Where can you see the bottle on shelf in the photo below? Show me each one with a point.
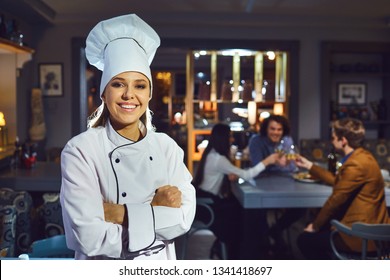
(16, 159)
(16, 35)
(332, 161)
(3, 27)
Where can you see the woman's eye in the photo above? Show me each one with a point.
(140, 86)
(117, 84)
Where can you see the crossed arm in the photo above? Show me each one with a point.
(168, 196)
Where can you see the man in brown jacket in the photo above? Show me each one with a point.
(358, 192)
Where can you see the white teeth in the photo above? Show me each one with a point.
(128, 106)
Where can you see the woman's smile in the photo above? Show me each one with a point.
(128, 106)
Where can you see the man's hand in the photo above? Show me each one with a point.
(271, 159)
(303, 162)
(281, 160)
(169, 196)
(114, 213)
(309, 228)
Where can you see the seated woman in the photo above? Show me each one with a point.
(212, 180)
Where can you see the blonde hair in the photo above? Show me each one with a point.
(101, 115)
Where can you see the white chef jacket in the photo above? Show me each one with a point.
(217, 166)
(100, 165)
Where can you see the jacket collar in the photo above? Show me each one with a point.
(119, 140)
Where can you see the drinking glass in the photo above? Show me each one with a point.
(280, 147)
(292, 152)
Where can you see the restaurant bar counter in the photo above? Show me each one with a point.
(43, 177)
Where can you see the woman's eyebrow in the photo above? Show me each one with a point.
(117, 78)
(140, 80)
(123, 79)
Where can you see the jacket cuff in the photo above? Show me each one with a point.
(141, 226)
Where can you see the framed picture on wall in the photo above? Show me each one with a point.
(352, 93)
(51, 79)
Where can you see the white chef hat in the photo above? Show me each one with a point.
(120, 44)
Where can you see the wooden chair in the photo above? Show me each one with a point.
(379, 233)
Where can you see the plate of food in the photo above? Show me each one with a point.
(305, 177)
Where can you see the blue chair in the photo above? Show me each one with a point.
(378, 233)
(52, 247)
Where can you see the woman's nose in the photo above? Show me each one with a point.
(128, 94)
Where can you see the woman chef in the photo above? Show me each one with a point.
(126, 193)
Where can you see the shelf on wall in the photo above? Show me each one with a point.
(264, 103)
(7, 46)
(23, 53)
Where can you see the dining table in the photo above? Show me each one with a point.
(274, 191)
(284, 191)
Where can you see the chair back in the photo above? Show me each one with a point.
(203, 221)
(378, 233)
(203, 205)
(53, 247)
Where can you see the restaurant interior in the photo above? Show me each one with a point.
(232, 61)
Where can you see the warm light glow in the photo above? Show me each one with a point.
(240, 52)
(271, 55)
(2, 119)
(166, 76)
(210, 106)
(278, 109)
(202, 146)
(264, 115)
(252, 112)
(166, 99)
(241, 112)
(177, 117)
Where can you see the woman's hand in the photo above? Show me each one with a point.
(114, 213)
(300, 161)
(168, 196)
(232, 177)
